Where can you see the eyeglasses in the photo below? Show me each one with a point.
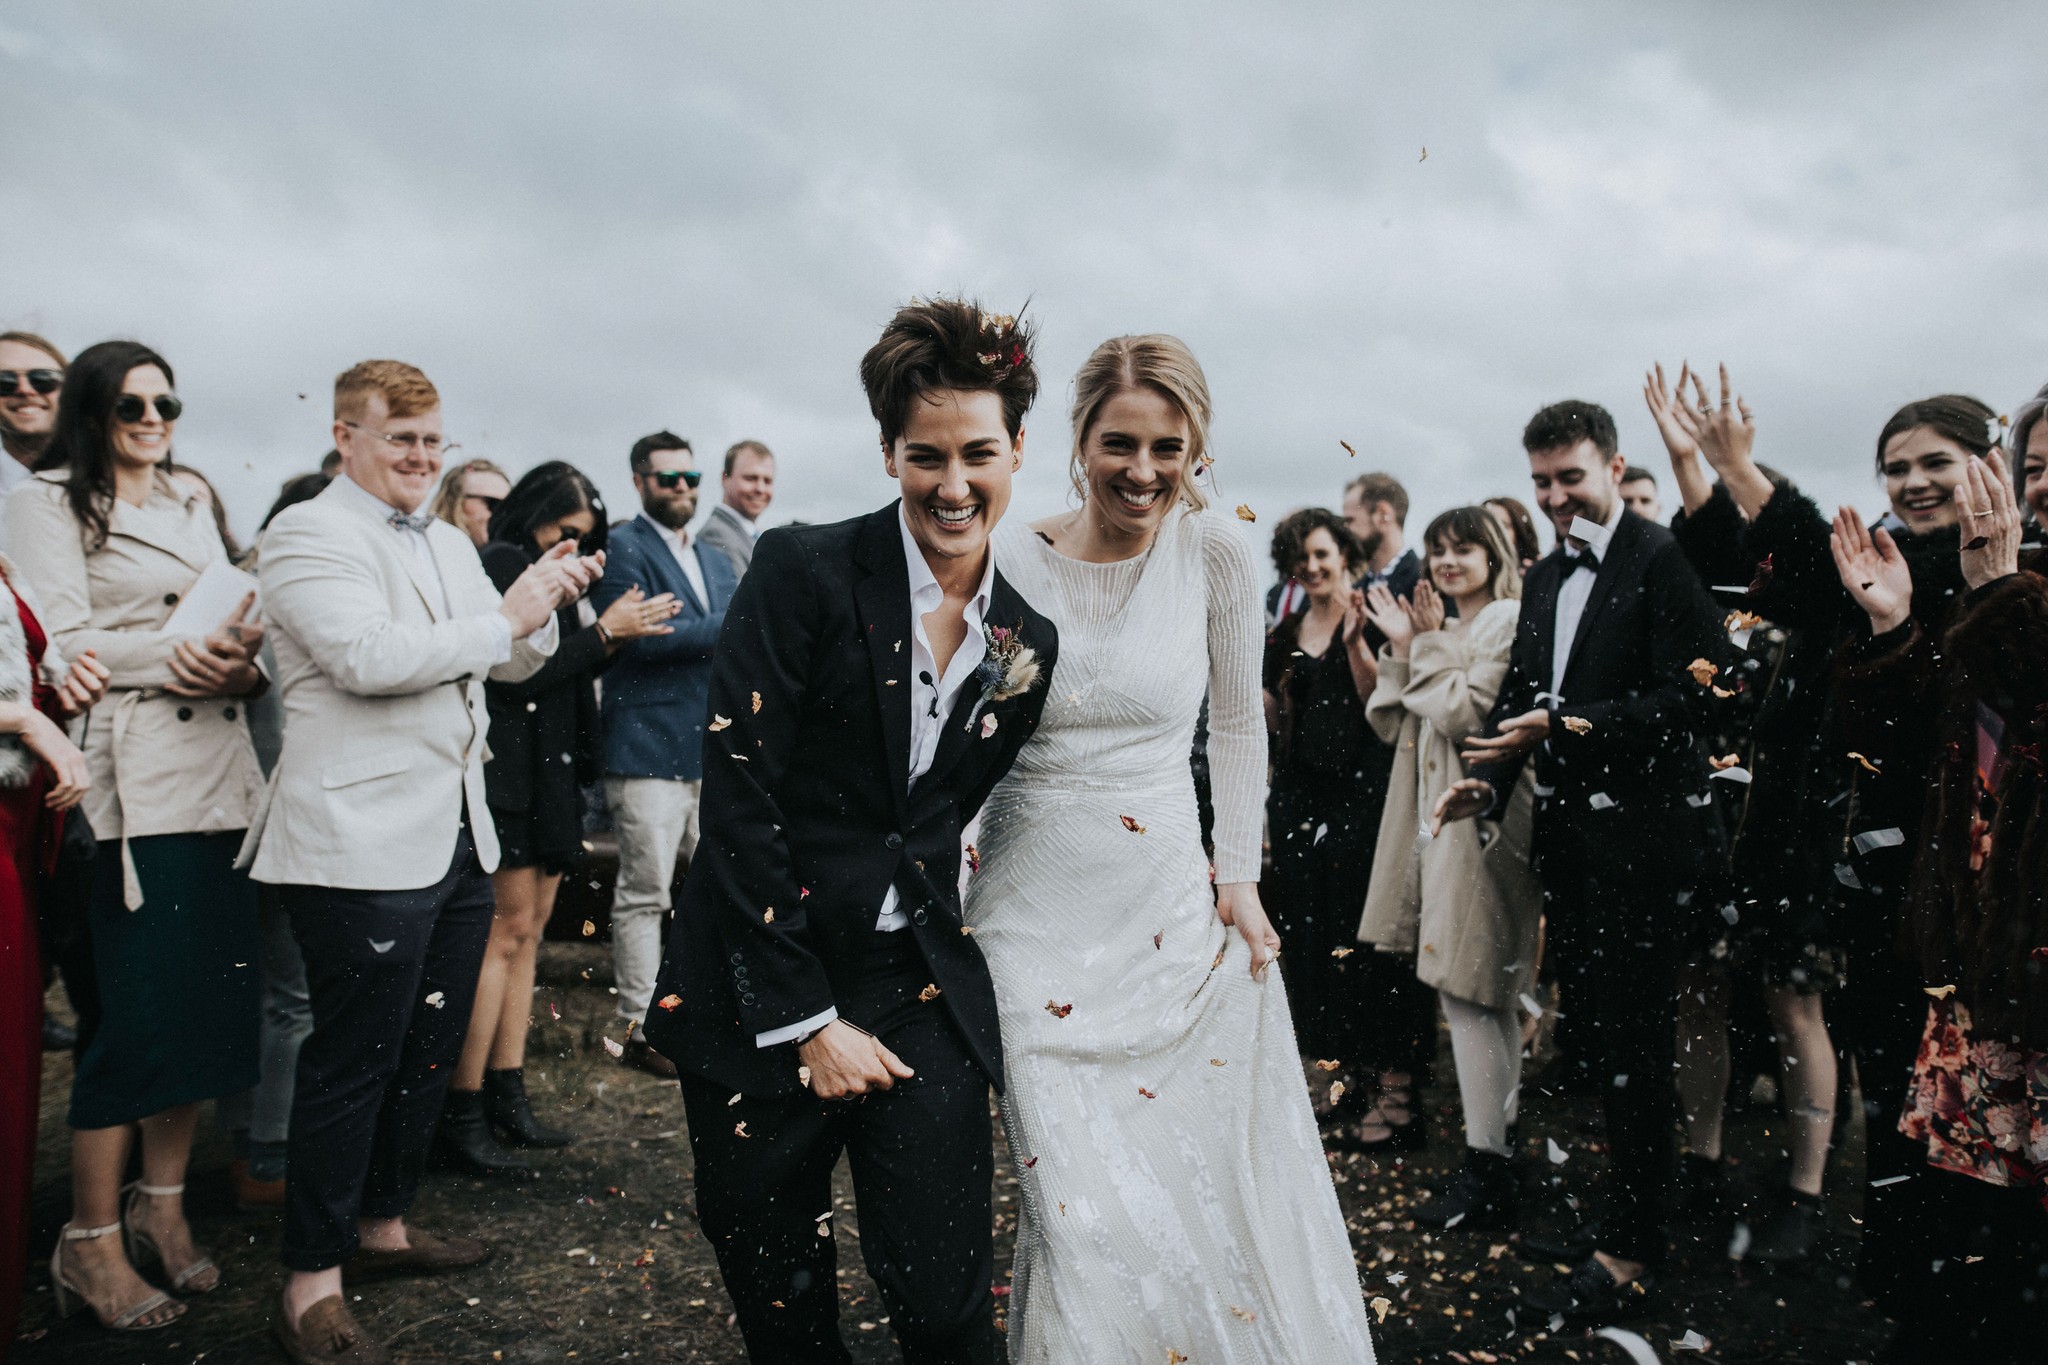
(669, 478)
(42, 381)
(130, 407)
(407, 441)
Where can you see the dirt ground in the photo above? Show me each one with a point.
(600, 1258)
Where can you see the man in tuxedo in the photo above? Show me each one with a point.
(1600, 695)
(654, 716)
(374, 831)
(745, 489)
(820, 992)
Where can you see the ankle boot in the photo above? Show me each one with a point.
(463, 1140)
(1791, 1231)
(511, 1113)
(1484, 1196)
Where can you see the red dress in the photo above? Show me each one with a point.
(27, 835)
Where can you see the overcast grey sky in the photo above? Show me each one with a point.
(590, 221)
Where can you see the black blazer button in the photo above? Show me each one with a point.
(894, 840)
(737, 958)
(229, 713)
(170, 599)
(918, 916)
(747, 998)
(184, 713)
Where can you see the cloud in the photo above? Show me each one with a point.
(589, 224)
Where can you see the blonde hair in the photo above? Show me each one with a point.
(1153, 361)
(448, 499)
(407, 390)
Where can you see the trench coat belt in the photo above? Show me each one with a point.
(124, 712)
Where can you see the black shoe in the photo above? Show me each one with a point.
(641, 1056)
(1484, 1196)
(1703, 1189)
(58, 1036)
(511, 1113)
(1567, 1245)
(1590, 1296)
(1789, 1234)
(463, 1140)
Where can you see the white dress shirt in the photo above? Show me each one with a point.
(745, 522)
(415, 542)
(932, 698)
(1573, 593)
(678, 543)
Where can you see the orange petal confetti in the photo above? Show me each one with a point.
(1724, 762)
(966, 929)
(1245, 513)
(973, 858)
(740, 1129)
(1578, 725)
(1244, 1313)
(1724, 693)
(928, 994)
(757, 703)
(1173, 1357)
(1868, 766)
(1132, 825)
(589, 928)
(1058, 1011)
(1939, 992)
(768, 915)
(803, 1075)
(1146, 1093)
(668, 1002)
(1347, 448)
(1702, 671)
(1337, 1092)
(1330, 1065)
(1741, 620)
(1341, 953)
(1380, 1308)
(719, 723)
(1218, 1061)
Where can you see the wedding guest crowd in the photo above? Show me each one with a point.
(1767, 752)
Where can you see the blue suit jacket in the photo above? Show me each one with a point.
(655, 692)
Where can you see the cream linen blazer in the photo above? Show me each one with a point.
(160, 763)
(384, 719)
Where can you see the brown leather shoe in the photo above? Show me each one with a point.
(255, 1196)
(431, 1253)
(327, 1334)
(642, 1057)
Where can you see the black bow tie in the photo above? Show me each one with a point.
(1573, 563)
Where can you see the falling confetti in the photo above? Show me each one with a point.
(615, 1048)
(1058, 1011)
(1341, 953)
(386, 946)
(973, 858)
(1578, 725)
(988, 726)
(1724, 762)
(768, 915)
(928, 994)
(1328, 1065)
(1132, 825)
(1243, 1313)
(1868, 766)
(1381, 1306)
(719, 723)
(589, 928)
(437, 999)
(1146, 1093)
(740, 1129)
(1691, 1341)
(668, 1002)
(1702, 671)
(1557, 1154)
(734, 1100)
(1939, 992)
(1336, 1093)
(1739, 621)
(1347, 448)
(757, 703)
(1424, 157)
(1218, 1061)
(1245, 513)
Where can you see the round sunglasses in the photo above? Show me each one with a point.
(130, 407)
(45, 382)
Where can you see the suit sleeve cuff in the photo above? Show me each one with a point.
(792, 1032)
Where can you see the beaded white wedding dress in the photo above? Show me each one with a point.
(1176, 1201)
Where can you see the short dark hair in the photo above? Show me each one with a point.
(1563, 425)
(1378, 487)
(548, 492)
(1956, 416)
(1635, 473)
(1290, 539)
(934, 344)
(739, 448)
(647, 445)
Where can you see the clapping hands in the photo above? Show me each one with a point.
(1873, 571)
(1990, 519)
(1400, 620)
(555, 579)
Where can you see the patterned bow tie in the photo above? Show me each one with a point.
(410, 523)
(1573, 563)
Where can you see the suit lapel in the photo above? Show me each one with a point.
(883, 600)
(1539, 611)
(135, 523)
(963, 728)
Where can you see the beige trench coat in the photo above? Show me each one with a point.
(1465, 902)
(160, 763)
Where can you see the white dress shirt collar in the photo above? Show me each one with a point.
(745, 522)
(678, 543)
(1575, 592)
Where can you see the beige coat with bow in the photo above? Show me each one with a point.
(1465, 902)
(160, 763)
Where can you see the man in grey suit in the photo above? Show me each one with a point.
(746, 489)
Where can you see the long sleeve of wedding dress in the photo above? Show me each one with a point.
(1237, 720)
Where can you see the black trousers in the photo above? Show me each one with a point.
(922, 1173)
(1617, 949)
(391, 975)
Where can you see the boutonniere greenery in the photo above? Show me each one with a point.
(1009, 667)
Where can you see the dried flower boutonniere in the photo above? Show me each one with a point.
(1009, 668)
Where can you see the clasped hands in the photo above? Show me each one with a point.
(221, 663)
(1469, 796)
(555, 579)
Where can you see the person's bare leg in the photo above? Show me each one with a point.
(166, 1155)
(1809, 1061)
(98, 1266)
(512, 888)
(1703, 1063)
(508, 1051)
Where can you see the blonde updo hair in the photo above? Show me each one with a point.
(1155, 361)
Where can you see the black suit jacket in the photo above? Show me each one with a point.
(807, 811)
(1627, 798)
(548, 719)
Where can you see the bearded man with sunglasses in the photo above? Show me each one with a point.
(31, 374)
(655, 710)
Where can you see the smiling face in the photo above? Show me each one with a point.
(751, 486)
(1321, 569)
(1576, 481)
(669, 500)
(401, 473)
(1134, 458)
(1922, 470)
(954, 460)
(1458, 568)
(1640, 496)
(24, 412)
(147, 441)
(2034, 470)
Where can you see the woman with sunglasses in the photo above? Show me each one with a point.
(546, 745)
(110, 544)
(469, 497)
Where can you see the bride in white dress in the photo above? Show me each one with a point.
(1176, 1201)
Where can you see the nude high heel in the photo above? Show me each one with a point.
(142, 1247)
(70, 1299)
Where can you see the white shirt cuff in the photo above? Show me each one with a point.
(783, 1035)
(546, 639)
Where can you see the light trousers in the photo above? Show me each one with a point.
(656, 822)
(1486, 1045)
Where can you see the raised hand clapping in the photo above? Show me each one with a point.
(1990, 518)
(1393, 616)
(1873, 571)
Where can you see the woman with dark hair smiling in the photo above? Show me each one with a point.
(545, 745)
(111, 544)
